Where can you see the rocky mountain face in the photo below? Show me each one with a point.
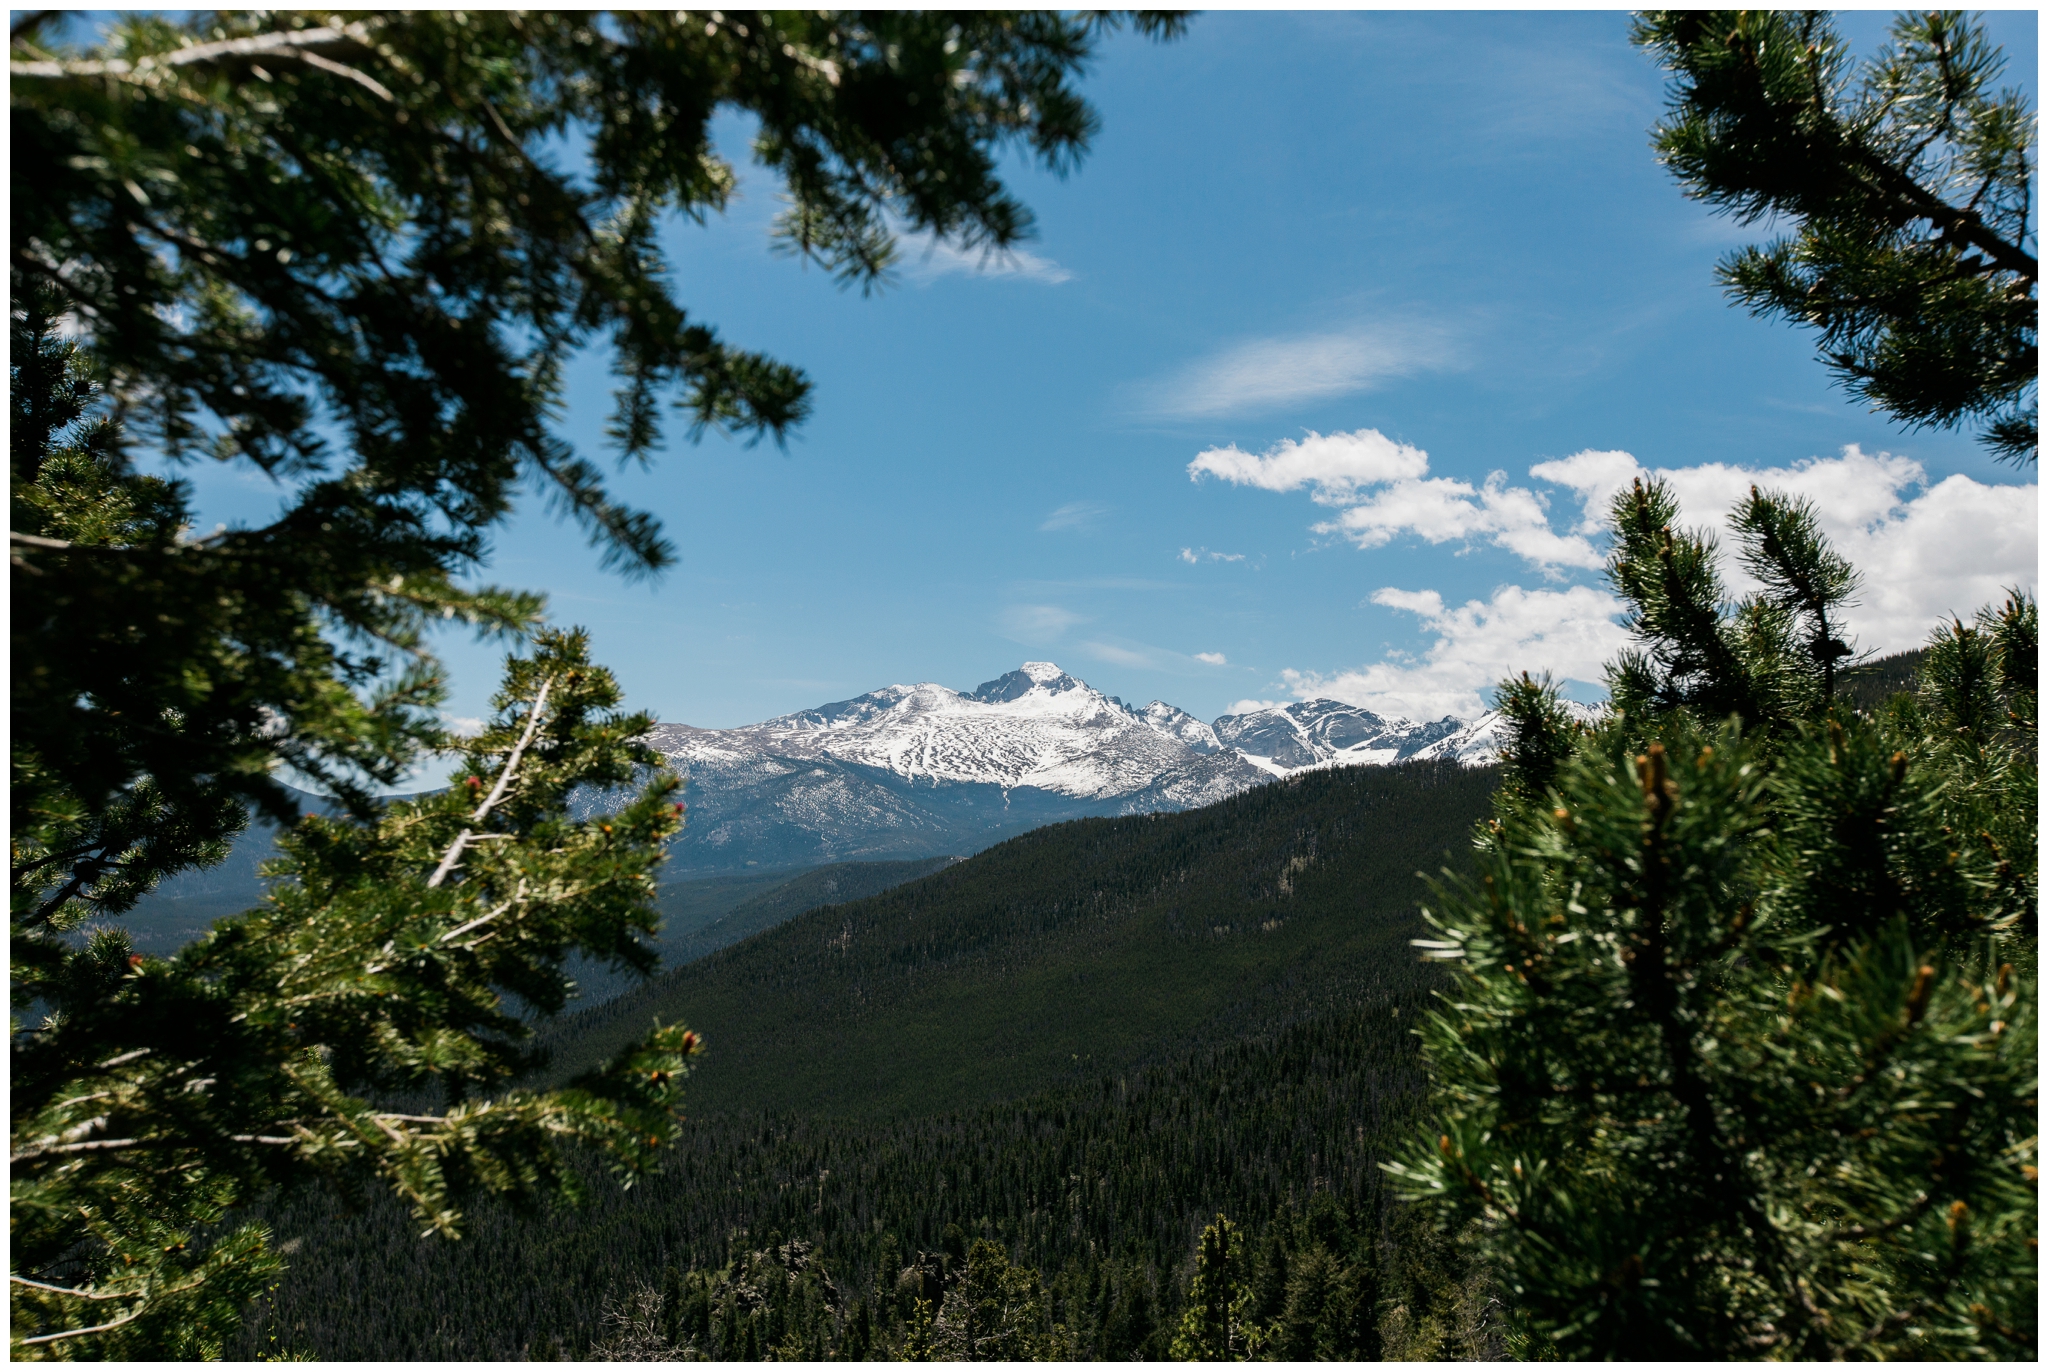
(911, 771)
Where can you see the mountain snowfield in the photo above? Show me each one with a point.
(923, 769)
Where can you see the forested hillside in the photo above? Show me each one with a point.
(705, 914)
(834, 884)
(1102, 1186)
(1868, 685)
(1075, 947)
(1083, 1045)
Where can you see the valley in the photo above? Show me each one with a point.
(1083, 1044)
(1075, 947)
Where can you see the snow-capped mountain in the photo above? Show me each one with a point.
(1035, 727)
(923, 769)
(912, 770)
(1326, 733)
(1478, 743)
(1177, 723)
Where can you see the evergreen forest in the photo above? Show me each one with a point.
(1176, 1017)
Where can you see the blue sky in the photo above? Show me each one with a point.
(1438, 243)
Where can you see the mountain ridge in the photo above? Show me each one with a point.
(918, 769)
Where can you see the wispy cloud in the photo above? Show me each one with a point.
(1267, 372)
(1079, 514)
(1037, 625)
(1197, 555)
(1131, 652)
(927, 259)
(1119, 655)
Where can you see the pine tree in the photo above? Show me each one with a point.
(1215, 1326)
(361, 1029)
(1908, 183)
(995, 1312)
(1740, 1059)
(340, 251)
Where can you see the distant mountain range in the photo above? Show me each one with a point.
(918, 770)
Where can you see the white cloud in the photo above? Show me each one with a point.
(1944, 551)
(1037, 624)
(462, 726)
(1384, 490)
(1197, 555)
(1926, 552)
(1850, 492)
(927, 259)
(1250, 705)
(1443, 509)
(1335, 466)
(1213, 659)
(1570, 633)
(1079, 514)
(1957, 547)
(1276, 371)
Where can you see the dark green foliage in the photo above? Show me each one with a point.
(1103, 1186)
(157, 680)
(1074, 947)
(1804, 579)
(1097, 1172)
(1741, 1054)
(1908, 183)
(699, 917)
(1693, 656)
(1768, 660)
(1869, 686)
(834, 884)
(395, 960)
(1977, 723)
(1541, 734)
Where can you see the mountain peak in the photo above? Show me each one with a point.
(1027, 678)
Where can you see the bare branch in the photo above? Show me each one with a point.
(132, 1315)
(97, 1145)
(69, 1291)
(505, 775)
(482, 920)
(302, 45)
(34, 541)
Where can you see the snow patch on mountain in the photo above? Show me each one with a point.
(1175, 722)
(912, 770)
(1036, 727)
(1479, 743)
(1304, 734)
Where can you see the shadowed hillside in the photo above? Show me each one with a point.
(1077, 946)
